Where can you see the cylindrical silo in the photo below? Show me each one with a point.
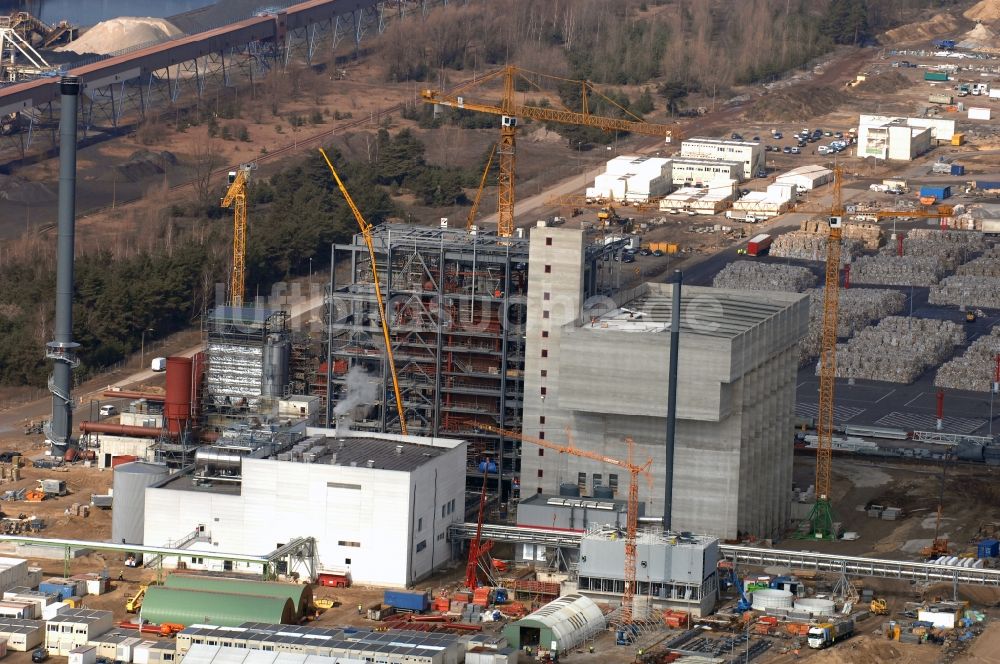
(128, 512)
(769, 598)
(275, 367)
(177, 407)
(816, 607)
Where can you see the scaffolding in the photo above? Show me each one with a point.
(456, 306)
(247, 364)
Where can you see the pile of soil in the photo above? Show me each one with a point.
(863, 648)
(939, 24)
(144, 163)
(979, 37)
(800, 103)
(120, 33)
(884, 83)
(985, 10)
(16, 189)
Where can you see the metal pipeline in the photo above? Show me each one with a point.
(121, 430)
(123, 394)
(62, 350)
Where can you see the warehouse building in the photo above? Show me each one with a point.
(748, 153)
(942, 130)
(671, 571)
(205, 654)
(893, 139)
(186, 607)
(806, 178)
(567, 512)
(558, 627)
(299, 594)
(704, 200)
(392, 646)
(735, 405)
(379, 505)
(22, 635)
(688, 171)
(633, 179)
(769, 203)
(72, 628)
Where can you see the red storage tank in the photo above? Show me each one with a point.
(123, 458)
(177, 407)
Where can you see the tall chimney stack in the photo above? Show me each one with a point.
(63, 349)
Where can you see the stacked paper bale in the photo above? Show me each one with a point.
(968, 291)
(868, 234)
(857, 309)
(928, 255)
(974, 369)
(898, 349)
(987, 265)
(751, 276)
(812, 247)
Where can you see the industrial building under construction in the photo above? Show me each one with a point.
(455, 301)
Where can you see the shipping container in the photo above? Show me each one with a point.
(62, 590)
(987, 185)
(939, 192)
(940, 99)
(759, 245)
(957, 169)
(958, 138)
(935, 76)
(976, 113)
(988, 548)
(333, 580)
(408, 601)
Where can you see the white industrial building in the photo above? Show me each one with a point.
(806, 178)
(379, 505)
(206, 654)
(894, 140)
(735, 408)
(776, 199)
(633, 179)
(75, 627)
(942, 130)
(704, 200)
(749, 153)
(22, 635)
(687, 171)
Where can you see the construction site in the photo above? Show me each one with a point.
(723, 394)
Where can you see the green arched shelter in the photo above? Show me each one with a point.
(211, 607)
(299, 594)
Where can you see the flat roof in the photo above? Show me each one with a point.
(719, 141)
(716, 312)
(380, 453)
(185, 481)
(396, 641)
(708, 194)
(813, 170)
(654, 537)
(81, 616)
(701, 161)
(552, 500)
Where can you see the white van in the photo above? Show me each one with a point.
(109, 410)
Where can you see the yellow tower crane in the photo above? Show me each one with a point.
(509, 111)
(366, 232)
(633, 499)
(236, 198)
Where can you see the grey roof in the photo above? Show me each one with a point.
(143, 468)
(395, 641)
(386, 454)
(81, 616)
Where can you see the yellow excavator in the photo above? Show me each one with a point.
(134, 602)
(879, 607)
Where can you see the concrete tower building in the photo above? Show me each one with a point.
(599, 368)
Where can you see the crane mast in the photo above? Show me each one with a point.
(236, 198)
(366, 232)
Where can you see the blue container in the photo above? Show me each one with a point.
(957, 169)
(988, 548)
(61, 590)
(400, 599)
(487, 466)
(940, 192)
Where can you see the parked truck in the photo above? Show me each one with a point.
(407, 601)
(759, 245)
(826, 634)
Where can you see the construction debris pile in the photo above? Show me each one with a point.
(898, 349)
(974, 369)
(812, 247)
(752, 276)
(858, 308)
(972, 291)
(927, 256)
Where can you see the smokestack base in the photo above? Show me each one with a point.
(69, 85)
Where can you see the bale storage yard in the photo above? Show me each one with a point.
(869, 235)
(968, 291)
(751, 276)
(858, 308)
(928, 255)
(974, 369)
(898, 349)
(812, 247)
(987, 265)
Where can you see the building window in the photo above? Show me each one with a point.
(546, 296)
(548, 242)
(541, 419)
(613, 483)
(347, 561)
(539, 490)
(545, 373)
(420, 524)
(440, 536)
(541, 434)
(443, 508)
(541, 451)
(597, 480)
(548, 269)
(421, 545)
(350, 544)
(545, 352)
(544, 391)
(451, 506)
(545, 334)
(581, 481)
(540, 473)
(545, 313)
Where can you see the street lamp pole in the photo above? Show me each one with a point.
(142, 347)
(310, 269)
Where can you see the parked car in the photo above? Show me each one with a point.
(796, 150)
(39, 655)
(762, 173)
(828, 133)
(786, 150)
(628, 258)
(756, 139)
(658, 252)
(777, 135)
(644, 252)
(109, 410)
(823, 150)
(736, 137)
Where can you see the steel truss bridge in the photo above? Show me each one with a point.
(154, 78)
(851, 566)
